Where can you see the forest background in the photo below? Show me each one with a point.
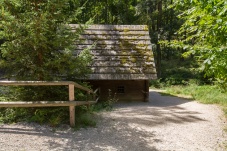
(189, 41)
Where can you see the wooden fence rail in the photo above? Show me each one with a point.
(71, 103)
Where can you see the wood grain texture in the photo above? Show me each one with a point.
(71, 103)
(44, 103)
(44, 83)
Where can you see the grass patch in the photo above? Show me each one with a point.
(85, 120)
(207, 94)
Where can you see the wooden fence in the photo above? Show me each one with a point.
(71, 103)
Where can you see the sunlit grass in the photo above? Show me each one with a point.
(208, 94)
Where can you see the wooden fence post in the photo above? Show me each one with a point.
(88, 95)
(71, 108)
(71, 103)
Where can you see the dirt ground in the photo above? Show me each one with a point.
(165, 123)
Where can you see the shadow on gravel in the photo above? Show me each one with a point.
(160, 110)
(129, 127)
(113, 136)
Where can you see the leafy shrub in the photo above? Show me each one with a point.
(108, 104)
(105, 105)
(85, 117)
(180, 72)
(50, 115)
(155, 83)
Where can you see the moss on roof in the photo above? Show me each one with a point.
(122, 52)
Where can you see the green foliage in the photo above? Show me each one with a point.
(85, 117)
(180, 72)
(51, 116)
(38, 93)
(38, 42)
(11, 115)
(108, 11)
(155, 84)
(204, 34)
(176, 74)
(105, 105)
(111, 100)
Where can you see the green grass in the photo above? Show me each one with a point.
(208, 94)
(205, 94)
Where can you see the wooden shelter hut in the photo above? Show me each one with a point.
(123, 60)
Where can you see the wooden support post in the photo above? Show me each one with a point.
(71, 108)
(146, 89)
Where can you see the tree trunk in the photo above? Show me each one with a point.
(159, 24)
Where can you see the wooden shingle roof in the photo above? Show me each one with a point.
(121, 52)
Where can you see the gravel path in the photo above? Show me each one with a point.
(164, 124)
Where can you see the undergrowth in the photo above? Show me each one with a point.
(209, 94)
(184, 77)
(53, 116)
